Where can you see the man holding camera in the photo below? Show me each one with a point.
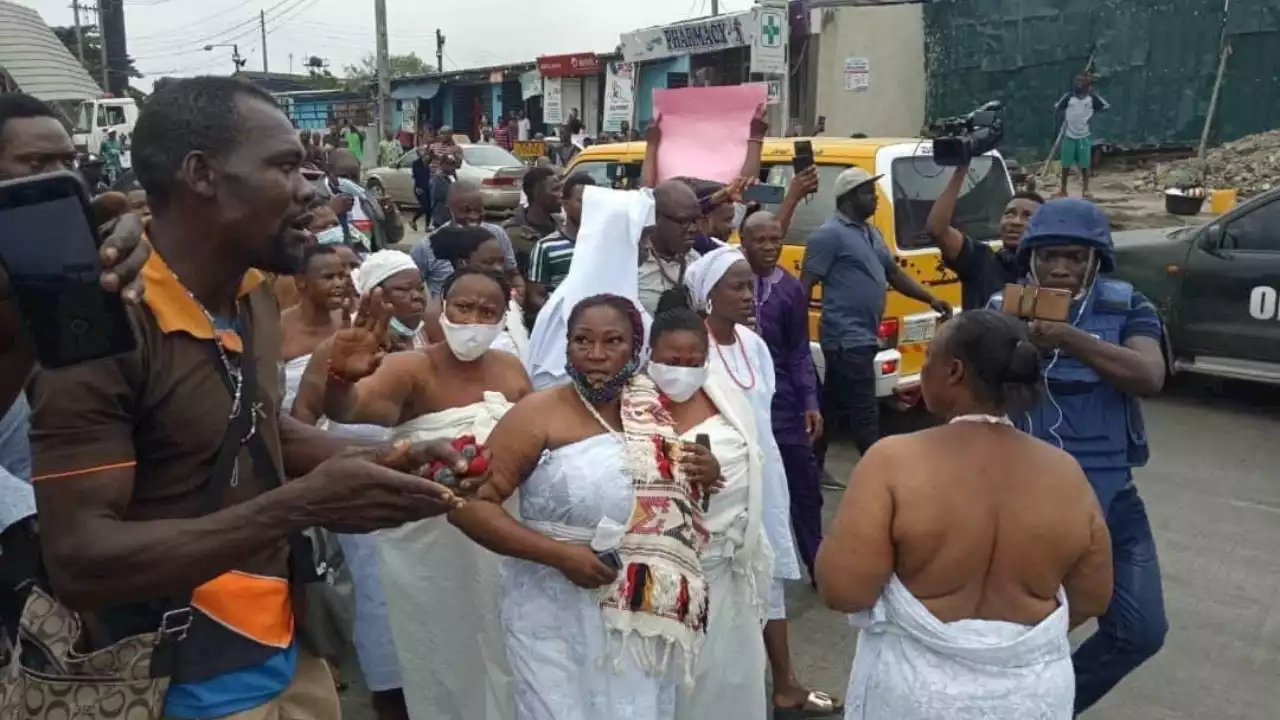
(1102, 353)
(982, 271)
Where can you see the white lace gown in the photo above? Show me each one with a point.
(442, 596)
(749, 365)
(730, 670)
(375, 649)
(555, 631)
(912, 666)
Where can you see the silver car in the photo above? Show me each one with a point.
(498, 172)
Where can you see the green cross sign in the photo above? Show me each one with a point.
(771, 29)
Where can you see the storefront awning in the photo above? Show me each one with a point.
(419, 90)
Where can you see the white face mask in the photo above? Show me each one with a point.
(469, 342)
(679, 383)
(330, 236)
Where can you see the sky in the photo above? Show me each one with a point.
(167, 37)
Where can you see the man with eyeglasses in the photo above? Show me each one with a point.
(667, 249)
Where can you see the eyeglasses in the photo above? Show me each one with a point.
(682, 222)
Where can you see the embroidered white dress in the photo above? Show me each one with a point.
(442, 597)
(375, 649)
(730, 669)
(912, 666)
(555, 630)
(741, 362)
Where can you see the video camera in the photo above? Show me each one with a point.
(958, 140)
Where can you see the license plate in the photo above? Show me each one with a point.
(919, 328)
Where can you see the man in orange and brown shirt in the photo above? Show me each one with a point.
(159, 473)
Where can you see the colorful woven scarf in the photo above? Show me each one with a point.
(659, 601)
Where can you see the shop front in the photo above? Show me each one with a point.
(706, 51)
(572, 82)
(733, 49)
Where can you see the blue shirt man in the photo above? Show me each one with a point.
(849, 258)
(1097, 364)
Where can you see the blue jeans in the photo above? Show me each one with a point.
(1134, 627)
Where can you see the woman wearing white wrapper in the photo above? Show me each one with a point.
(440, 587)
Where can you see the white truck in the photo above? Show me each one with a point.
(95, 118)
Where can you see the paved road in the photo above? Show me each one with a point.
(1213, 493)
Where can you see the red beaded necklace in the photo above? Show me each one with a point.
(751, 383)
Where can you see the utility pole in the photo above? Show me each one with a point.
(75, 9)
(439, 51)
(102, 44)
(262, 23)
(715, 7)
(384, 67)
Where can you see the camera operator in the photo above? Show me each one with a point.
(982, 271)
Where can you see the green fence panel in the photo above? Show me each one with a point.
(1155, 61)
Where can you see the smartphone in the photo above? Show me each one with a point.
(704, 440)
(610, 558)
(804, 156)
(1032, 302)
(344, 219)
(764, 194)
(49, 248)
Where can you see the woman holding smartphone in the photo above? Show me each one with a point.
(738, 560)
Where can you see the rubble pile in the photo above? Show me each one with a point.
(1250, 164)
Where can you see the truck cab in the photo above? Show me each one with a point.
(95, 118)
(1218, 290)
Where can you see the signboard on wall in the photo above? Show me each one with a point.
(552, 101)
(857, 74)
(409, 115)
(769, 51)
(691, 38)
(619, 100)
(575, 65)
(530, 84)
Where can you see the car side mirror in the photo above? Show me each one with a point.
(1211, 240)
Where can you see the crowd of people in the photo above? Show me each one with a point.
(572, 463)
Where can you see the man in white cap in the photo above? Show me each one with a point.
(849, 258)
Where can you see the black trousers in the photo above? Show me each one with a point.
(424, 206)
(850, 409)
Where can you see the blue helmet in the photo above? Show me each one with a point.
(1068, 221)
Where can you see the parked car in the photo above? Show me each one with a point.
(498, 172)
(1218, 288)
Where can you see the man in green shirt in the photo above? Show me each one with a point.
(529, 224)
(354, 139)
(389, 150)
(551, 256)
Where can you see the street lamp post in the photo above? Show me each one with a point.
(238, 61)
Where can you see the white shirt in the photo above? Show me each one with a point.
(522, 129)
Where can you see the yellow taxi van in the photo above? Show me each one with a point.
(911, 181)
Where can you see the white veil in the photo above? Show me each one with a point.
(605, 260)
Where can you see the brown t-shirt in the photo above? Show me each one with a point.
(163, 410)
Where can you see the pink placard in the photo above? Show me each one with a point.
(705, 130)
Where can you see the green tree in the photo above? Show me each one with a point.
(92, 51)
(365, 72)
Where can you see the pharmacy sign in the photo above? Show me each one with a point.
(769, 51)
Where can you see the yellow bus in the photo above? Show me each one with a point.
(911, 182)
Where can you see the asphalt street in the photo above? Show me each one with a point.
(1213, 493)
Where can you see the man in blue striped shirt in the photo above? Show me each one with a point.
(466, 208)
